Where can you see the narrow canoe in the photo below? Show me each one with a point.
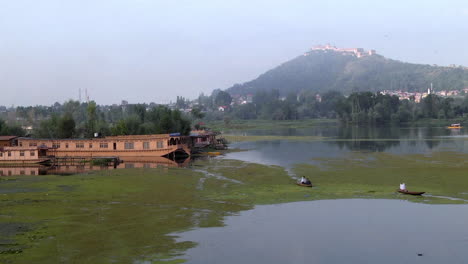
(411, 193)
(303, 184)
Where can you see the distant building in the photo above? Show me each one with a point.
(318, 98)
(358, 52)
(222, 108)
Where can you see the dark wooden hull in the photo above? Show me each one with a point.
(410, 193)
(303, 184)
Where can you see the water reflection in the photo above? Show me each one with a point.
(371, 146)
(340, 140)
(375, 231)
(353, 132)
(147, 163)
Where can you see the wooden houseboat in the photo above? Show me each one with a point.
(124, 147)
(23, 155)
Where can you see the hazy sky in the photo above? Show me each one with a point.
(153, 50)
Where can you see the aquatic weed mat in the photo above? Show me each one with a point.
(442, 175)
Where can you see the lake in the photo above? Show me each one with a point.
(337, 231)
(244, 206)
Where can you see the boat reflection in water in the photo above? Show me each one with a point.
(69, 169)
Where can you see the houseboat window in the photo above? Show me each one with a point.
(55, 145)
(79, 145)
(20, 144)
(21, 153)
(103, 145)
(33, 144)
(159, 144)
(66, 145)
(33, 172)
(1, 154)
(90, 145)
(129, 145)
(1, 173)
(146, 145)
(32, 154)
(129, 165)
(115, 146)
(9, 154)
(22, 172)
(9, 173)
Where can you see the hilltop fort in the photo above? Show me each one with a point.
(358, 52)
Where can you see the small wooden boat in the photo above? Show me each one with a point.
(213, 153)
(411, 193)
(304, 184)
(454, 126)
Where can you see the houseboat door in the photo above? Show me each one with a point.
(115, 146)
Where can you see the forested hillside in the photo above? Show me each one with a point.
(321, 71)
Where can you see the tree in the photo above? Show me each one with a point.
(66, 127)
(223, 99)
(197, 113)
(91, 119)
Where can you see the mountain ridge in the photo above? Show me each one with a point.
(352, 70)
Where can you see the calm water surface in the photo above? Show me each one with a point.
(337, 231)
(340, 141)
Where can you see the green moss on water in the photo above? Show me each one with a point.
(132, 215)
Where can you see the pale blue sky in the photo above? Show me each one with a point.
(152, 50)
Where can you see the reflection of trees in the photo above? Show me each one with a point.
(366, 145)
(372, 132)
(370, 138)
(430, 134)
(432, 143)
(375, 138)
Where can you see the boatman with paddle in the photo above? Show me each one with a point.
(304, 180)
(403, 186)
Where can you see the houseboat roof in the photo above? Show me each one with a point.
(3, 138)
(124, 137)
(22, 148)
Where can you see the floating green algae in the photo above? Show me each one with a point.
(131, 215)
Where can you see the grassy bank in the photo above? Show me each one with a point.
(128, 215)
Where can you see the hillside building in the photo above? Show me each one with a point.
(358, 52)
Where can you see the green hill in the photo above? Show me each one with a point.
(322, 71)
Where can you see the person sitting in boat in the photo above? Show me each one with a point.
(304, 180)
(403, 187)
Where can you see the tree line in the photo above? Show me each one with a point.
(73, 119)
(358, 107)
